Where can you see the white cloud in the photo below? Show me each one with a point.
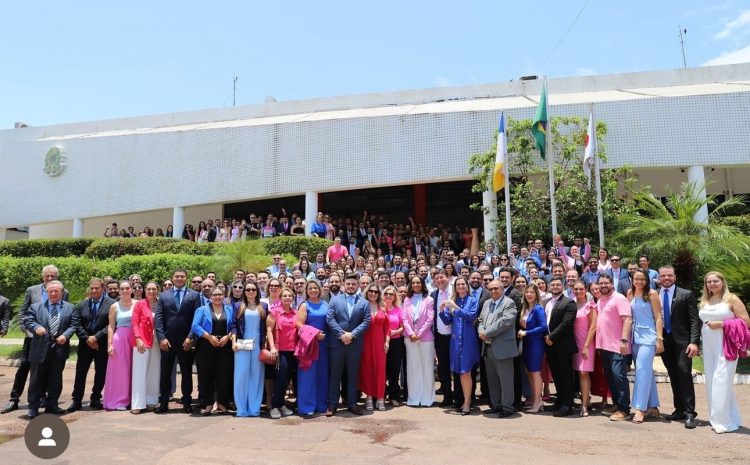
(738, 56)
(734, 25)
(583, 71)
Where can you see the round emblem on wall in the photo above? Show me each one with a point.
(54, 161)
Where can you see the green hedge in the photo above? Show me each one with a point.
(292, 245)
(740, 222)
(103, 249)
(45, 247)
(16, 274)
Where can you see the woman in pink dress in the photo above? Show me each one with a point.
(584, 328)
(120, 349)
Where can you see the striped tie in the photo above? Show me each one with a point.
(54, 320)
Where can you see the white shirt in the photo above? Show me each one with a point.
(442, 328)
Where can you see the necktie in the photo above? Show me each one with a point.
(349, 305)
(177, 298)
(665, 304)
(54, 320)
(492, 307)
(94, 309)
(615, 278)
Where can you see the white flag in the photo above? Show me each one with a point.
(590, 151)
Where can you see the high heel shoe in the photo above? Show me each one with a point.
(652, 412)
(368, 404)
(584, 411)
(465, 412)
(536, 409)
(638, 417)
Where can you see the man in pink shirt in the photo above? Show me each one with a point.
(613, 326)
(336, 251)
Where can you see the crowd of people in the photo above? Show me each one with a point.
(342, 326)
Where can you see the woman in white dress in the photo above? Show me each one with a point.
(718, 305)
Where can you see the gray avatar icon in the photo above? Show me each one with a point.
(47, 436)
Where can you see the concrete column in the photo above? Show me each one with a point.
(178, 221)
(311, 210)
(697, 177)
(77, 227)
(2, 234)
(489, 202)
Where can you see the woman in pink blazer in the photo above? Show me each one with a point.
(418, 314)
(146, 355)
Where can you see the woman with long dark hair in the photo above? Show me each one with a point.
(248, 333)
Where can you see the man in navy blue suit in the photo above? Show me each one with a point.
(348, 318)
(173, 319)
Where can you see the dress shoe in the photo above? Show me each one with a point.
(446, 404)
(609, 411)
(690, 421)
(675, 416)
(187, 408)
(505, 414)
(618, 416)
(12, 405)
(54, 410)
(355, 409)
(330, 412)
(74, 407)
(32, 414)
(563, 411)
(492, 410)
(96, 405)
(161, 409)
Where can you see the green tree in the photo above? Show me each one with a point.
(669, 233)
(529, 186)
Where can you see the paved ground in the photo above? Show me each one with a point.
(401, 435)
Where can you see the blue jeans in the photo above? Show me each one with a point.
(616, 370)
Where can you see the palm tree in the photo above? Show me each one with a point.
(669, 233)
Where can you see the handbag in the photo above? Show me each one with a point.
(266, 357)
(245, 344)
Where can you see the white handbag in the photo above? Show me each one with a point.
(246, 344)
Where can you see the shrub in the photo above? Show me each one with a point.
(740, 222)
(292, 245)
(45, 247)
(103, 249)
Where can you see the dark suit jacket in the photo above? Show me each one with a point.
(4, 314)
(282, 229)
(517, 297)
(561, 326)
(173, 323)
(484, 296)
(37, 316)
(102, 320)
(686, 326)
(339, 322)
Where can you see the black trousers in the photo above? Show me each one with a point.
(46, 378)
(561, 365)
(87, 355)
(22, 373)
(215, 366)
(680, 369)
(185, 359)
(395, 359)
(443, 352)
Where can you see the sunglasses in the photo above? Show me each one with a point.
(138, 288)
(373, 291)
(389, 294)
(197, 282)
(168, 285)
(237, 287)
(251, 289)
(217, 295)
(274, 285)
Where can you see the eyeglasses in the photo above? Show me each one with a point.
(391, 294)
(168, 285)
(614, 259)
(237, 287)
(492, 289)
(251, 289)
(217, 295)
(137, 288)
(197, 282)
(274, 285)
(373, 291)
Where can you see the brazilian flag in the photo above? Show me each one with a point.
(540, 125)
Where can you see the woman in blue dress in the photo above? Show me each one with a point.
(462, 312)
(533, 329)
(312, 383)
(647, 340)
(249, 371)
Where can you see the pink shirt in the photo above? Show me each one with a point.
(609, 321)
(395, 321)
(285, 335)
(336, 253)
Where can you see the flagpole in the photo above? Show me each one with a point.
(550, 164)
(506, 168)
(598, 181)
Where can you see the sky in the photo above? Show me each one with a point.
(80, 61)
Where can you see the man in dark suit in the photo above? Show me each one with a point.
(93, 315)
(173, 319)
(52, 323)
(561, 345)
(682, 331)
(4, 316)
(442, 334)
(620, 276)
(506, 279)
(348, 318)
(34, 294)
